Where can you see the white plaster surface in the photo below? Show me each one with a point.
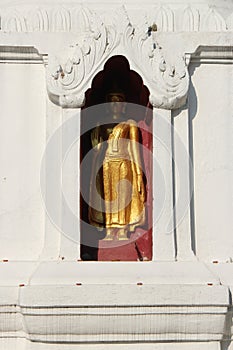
(8, 344)
(120, 313)
(212, 123)
(49, 303)
(224, 272)
(122, 272)
(22, 143)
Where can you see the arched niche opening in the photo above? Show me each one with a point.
(115, 79)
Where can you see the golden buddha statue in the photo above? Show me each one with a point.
(119, 180)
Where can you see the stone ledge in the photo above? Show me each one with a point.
(117, 313)
(14, 273)
(137, 307)
(23, 344)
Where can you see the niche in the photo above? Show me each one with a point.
(116, 190)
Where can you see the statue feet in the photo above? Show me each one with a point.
(117, 234)
(109, 235)
(122, 235)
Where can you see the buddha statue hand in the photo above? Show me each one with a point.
(140, 186)
(96, 139)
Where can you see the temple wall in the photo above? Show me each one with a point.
(23, 117)
(49, 298)
(212, 126)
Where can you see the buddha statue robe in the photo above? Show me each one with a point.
(119, 181)
(124, 192)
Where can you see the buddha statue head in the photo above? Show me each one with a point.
(116, 103)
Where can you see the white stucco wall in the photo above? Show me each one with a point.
(211, 116)
(22, 140)
(46, 304)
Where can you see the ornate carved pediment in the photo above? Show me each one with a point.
(67, 77)
(164, 72)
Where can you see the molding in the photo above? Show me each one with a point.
(164, 70)
(163, 16)
(213, 54)
(117, 313)
(213, 21)
(66, 16)
(69, 72)
(99, 36)
(190, 19)
(19, 54)
(22, 344)
(104, 302)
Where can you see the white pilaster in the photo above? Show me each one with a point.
(183, 186)
(70, 235)
(163, 218)
(50, 179)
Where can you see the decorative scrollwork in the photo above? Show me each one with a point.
(164, 18)
(38, 20)
(13, 21)
(61, 20)
(72, 17)
(65, 80)
(190, 19)
(213, 21)
(165, 72)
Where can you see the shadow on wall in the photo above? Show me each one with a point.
(192, 110)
